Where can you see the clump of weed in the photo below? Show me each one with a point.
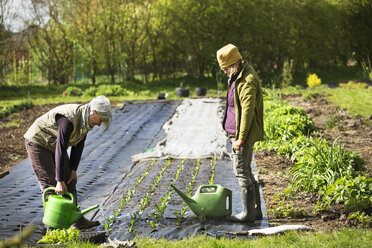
(282, 210)
(333, 121)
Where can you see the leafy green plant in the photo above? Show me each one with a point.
(322, 164)
(282, 210)
(60, 236)
(354, 192)
(320, 207)
(7, 110)
(112, 90)
(285, 122)
(91, 91)
(288, 149)
(313, 80)
(74, 91)
(320, 167)
(364, 219)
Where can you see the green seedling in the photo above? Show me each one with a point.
(180, 214)
(127, 197)
(148, 196)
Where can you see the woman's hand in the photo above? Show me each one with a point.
(72, 177)
(237, 144)
(61, 187)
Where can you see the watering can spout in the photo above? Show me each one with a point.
(89, 209)
(193, 205)
(76, 215)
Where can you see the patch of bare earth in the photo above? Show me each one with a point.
(12, 129)
(352, 131)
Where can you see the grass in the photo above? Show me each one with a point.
(41, 94)
(347, 237)
(357, 101)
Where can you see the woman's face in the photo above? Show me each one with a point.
(95, 119)
(227, 70)
(230, 70)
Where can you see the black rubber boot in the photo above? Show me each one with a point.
(257, 201)
(83, 223)
(248, 214)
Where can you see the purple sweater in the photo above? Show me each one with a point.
(230, 122)
(65, 129)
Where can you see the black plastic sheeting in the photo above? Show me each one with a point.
(191, 225)
(105, 162)
(106, 173)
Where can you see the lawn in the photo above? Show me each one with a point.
(348, 237)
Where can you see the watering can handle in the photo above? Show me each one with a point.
(73, 200)
(207, 187)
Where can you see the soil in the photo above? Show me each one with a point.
(355, 132)
(12, 129)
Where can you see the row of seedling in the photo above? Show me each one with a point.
(147, 198)
(180, 214)
(110, 221)
(160, 208)
(213, 166)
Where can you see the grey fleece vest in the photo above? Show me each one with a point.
(44, 130)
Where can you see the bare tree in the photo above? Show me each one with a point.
(52, 42)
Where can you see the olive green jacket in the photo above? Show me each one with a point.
(44, 130)
(248, 102)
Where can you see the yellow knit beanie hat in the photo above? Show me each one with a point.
(228, 55)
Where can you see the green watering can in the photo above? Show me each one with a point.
(60, 212)
(209, 201)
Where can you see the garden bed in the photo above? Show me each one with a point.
(355, 134)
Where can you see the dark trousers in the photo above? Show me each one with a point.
(43, 164)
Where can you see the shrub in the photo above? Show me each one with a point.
(91, 91)
(111, 90)
(285, 122)
(74, 91)
(15, 108)
(313, 80)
